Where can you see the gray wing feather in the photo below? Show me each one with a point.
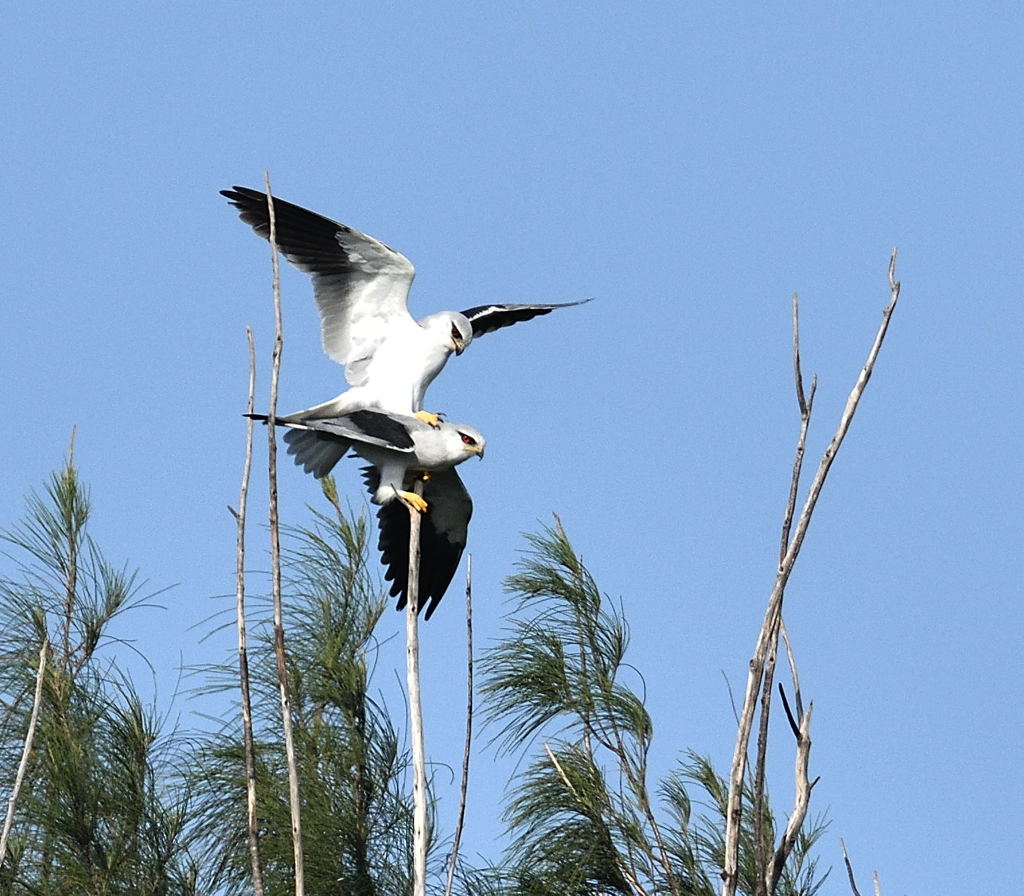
(316, 452)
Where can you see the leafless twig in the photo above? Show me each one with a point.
(26, 750)
(243, 656)
(797, 693)
(275, 560)
(774, 610)
(464, 784)
(794, 726)
(849, 868)
(412, 660)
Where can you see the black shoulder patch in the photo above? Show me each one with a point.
(382, 426)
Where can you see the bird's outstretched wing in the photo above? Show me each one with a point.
(361, 285)
(488, 318)
(443, 532)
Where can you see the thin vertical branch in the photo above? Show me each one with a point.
(805, 406)
(243, 656)
(464, 783)
(849, 868)
(71, 581)
(797, 693)
(774, 610)
(761, 847)
(803, 799)
(275, 558)
(26, 750)
(412, 659)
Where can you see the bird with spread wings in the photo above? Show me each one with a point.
(400, 449)
(361, 288)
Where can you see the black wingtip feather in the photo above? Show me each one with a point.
(488, 318)
(307, 239)
(393, 544)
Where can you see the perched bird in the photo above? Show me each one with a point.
(400, 448)
(361, 288)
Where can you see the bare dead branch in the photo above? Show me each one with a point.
(798, 375)
(844, 425)
(561, 772)
(806, 407)
(761, 845)
(794, 727)
(757, 663)
(800, 803)
(849, 868)
(412, 659)
(798, 695)
(26, 749)
(464, 784)
(243, 655)
(275, 558)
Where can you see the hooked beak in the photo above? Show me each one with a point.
(459, 346)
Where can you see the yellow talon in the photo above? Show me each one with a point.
(428, 418)
(411, 499)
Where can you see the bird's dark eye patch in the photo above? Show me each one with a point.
(467, 440)
(456, 335)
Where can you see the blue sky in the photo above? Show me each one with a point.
(689, 168)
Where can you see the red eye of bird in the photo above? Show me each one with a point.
(456, 335)
(467, 440)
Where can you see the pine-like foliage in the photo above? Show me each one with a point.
(97, 813)
(107, 807)
(581, 818)
(356, 816)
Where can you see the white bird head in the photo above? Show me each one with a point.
(453, 330)
(473, 443)
(442, 447)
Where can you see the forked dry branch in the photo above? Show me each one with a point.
(762, 663)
